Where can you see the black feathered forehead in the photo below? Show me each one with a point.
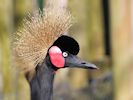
(67, 43)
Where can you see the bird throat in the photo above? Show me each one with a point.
(42, 83)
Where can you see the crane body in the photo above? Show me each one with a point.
(40, 49)
(42, 83)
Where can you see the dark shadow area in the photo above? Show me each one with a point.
(106, 18)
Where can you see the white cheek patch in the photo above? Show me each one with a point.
(56, 57)
(54, 49)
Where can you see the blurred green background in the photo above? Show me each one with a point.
(104, 30)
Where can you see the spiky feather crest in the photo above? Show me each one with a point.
(37, 35)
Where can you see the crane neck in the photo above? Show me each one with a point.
(42, 84)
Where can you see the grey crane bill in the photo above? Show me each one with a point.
(72, 61)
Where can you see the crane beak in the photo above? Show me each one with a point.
(75, 62)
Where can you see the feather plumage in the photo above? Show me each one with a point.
(37, 35)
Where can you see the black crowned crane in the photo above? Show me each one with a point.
(40, 49)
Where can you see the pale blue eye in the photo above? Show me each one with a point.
(65, 54)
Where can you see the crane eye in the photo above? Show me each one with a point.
(65, 54)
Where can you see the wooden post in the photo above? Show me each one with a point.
(6, 23)
(122, 44)
(89, 33)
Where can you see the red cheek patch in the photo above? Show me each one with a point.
(56, 57)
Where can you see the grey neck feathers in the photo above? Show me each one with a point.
(42, 83)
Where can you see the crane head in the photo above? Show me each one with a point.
(63, 53)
